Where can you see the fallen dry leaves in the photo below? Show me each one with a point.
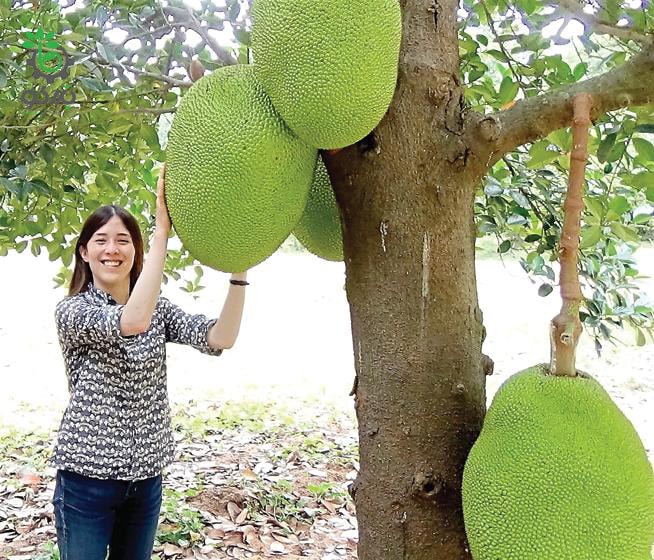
(277, 492)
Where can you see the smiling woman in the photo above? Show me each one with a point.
(115, 437)
(108, 251)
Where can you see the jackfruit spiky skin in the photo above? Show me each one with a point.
(237, 178)
(319, 228)
(329, 66)
(558, 473)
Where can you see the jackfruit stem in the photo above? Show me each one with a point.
(565, 328)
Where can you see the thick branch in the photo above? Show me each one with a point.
(534, 118)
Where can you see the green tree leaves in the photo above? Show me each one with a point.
(59, 162)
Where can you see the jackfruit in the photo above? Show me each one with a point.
(329, 66)
(237, 178)
(319, 228)
(557, 473)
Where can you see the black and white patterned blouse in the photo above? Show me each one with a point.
(117, 424)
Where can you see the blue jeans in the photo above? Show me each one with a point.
(92, 515)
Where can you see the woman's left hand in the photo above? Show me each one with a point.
(162, 219)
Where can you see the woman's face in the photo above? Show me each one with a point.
(110, 254)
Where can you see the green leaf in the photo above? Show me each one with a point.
(103, 182)
(625, 233)
(516, 219)
(497, 55)
(493, 189)
(106, 52)
(243, 37)
(95, 85)
(605, 146)
(645, 149)
(119, 126)
(520, 199)
(640, 337)
(619, 204)
(508, 90)
(579, 71)
(545, 289)
(595, 206)
(150, 136)
(504, 246)
(642, 180)
(41, 186)
(47, 153)
(541, 154)
(101, 15)
(590, 237)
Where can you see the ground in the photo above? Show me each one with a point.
(266, 432)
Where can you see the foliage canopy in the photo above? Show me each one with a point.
(129, 69)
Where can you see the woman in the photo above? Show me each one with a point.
(115, 437)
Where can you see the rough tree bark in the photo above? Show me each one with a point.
(406, 198)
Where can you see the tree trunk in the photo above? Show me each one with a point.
(420, 390)
(406, 197)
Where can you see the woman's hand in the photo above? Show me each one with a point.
(162, 219)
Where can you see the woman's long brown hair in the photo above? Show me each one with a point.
(82, 274)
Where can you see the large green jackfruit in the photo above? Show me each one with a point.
(237, 178)
(558, 473)
(329, 66)
(319, 228)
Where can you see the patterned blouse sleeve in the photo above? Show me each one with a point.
(79, 323)
(184, 328)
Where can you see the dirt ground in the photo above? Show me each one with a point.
(295, 338)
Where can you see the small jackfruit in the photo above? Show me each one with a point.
(319, 228)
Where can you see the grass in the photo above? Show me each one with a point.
(254, 416)
(179, 525)
(31, 449)
(279, 501)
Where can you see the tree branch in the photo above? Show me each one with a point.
(149, 110)
(491, 136)
(164, 28)
(133, 70)
(574, 8)
(193, 23)
(565, 328)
